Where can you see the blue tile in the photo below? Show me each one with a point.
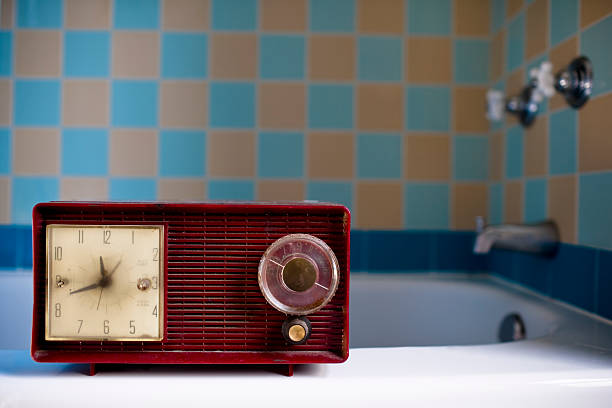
(232, 105)
(604, 285)
(86, 54)
(331, 191)
(471, 158)
(594, 215)
(454, 251)
(573, 279)
(471, 61)
(239, 190)
(39, 13)
(380, 58)
(359, 258)
(281, 56)
(563, 20)
(6, 53)
(133, 189)
(536, 193)
(137, 14)
(15, 247)
(182, 153)
(503, 263)
(427, 108)
(383, 247)
(496, 203)
(515, 43)
(379, 155)
(239, 15)
(184, 55)
(593, 44)
(535, 272)
(498, 14)
(330, 106)
(431, 17)
(426, 206)
(280, 155)
(514, 152)
(85, 152)
(37, 103)
(29, 191)
(5, 151)
(134, 103)
(332, 16)
(562, 142)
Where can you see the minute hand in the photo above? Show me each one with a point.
(89, 287)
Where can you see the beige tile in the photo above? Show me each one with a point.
(184, 104)
(88, 15)
(380, 16)
(514, 86)
(85, 103)
(380, 107)
(497, 52)
(181, 190)
(280, 190)
(562, 205)
(593, 10)
(233, 56)
(133, 152)
(536, 147)
(6, 102)
(5, 200)
(496, 155)
(379, 205)
(330, 155)
(37, 53)
(282, 105)
(36, 151)
(428, 60)
(594, 141)
(84, 188)
(7, 8)
(331, 57)
(469, 112)
(468, 202)
(560, 57)
(135, 54)
(513, 7)
(231, 154)
(427, 156)
(536, 29)
(186, 15)
(513, 202)
(472, 17)
(283, 15)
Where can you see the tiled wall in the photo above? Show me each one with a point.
(561, 167)
(375, 104)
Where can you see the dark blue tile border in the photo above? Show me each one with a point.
(15, 246)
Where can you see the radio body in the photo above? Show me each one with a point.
(192, 283)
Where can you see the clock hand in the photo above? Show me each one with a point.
(100, 297)
(101, 266)
(89, 287)
(114, 269)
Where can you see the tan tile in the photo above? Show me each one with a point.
(536, 29)
(231, 154)
(427, 156)
(186, 15)
(181, 190)
(135, 54)
(379, 205)
(513, 7)
(5, 200)
(233, 56)
(469, 112)
(497, 52)
(496, 155)
(133, 152)
(428, 60)
(380, 107)
(36, 151)
(468, 202)
(514, 85)
(331, 155)
(87, 15)
(282, 105)
(595, 143)
(513, 202)
(472, 17)
(6, 102)
(84, 188)
(562, 205)
(593, 10)
(37, 53)
(536, 147)
(85, 103)
(184, 104)
(560, 57)
(280, 190)
(380, 16)
(331, 57)
(7, 9)
(283, 15)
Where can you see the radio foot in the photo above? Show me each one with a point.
(92, 369)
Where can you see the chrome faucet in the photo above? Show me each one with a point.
(540, 238)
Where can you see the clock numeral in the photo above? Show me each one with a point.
(154, 311)
(80, 325)
(132, 327)
(106, 327)
(156, 254)
(57, 253)
(107, 235)
(154, 280)
(132, 237)
(81, 236)
(58, 310)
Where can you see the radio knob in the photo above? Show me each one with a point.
(296, 330)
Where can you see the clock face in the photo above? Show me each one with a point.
(104, 282)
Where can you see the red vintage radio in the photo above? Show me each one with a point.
(205, 283)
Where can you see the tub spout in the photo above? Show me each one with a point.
(540, 238)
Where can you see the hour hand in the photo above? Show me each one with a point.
(102, 271)
(89, 287)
